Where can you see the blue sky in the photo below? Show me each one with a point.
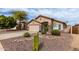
(70, 15)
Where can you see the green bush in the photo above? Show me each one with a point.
(55, 32)
(36, 42)
(27, 34)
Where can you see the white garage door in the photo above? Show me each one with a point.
(34, 28)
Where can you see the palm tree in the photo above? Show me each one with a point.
(19, 16)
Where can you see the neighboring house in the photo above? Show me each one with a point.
(36, 24)
(23, 24)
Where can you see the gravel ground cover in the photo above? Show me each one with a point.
(47, 43)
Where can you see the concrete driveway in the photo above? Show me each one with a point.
(12, 34)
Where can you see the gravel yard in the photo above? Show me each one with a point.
(47, 43)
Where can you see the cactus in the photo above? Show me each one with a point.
(36, 42)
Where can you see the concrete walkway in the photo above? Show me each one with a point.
(8, 35)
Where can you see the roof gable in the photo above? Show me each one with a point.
(50, 19)
(47, 18)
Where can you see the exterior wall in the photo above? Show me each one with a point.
(34, 26)
(57, 25)
(41, 19)
(33, 23)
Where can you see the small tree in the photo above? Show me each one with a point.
(36, 42)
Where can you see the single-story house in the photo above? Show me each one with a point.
(35, 25)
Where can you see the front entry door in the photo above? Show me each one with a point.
(44, 26)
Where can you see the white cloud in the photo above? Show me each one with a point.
(64, 14)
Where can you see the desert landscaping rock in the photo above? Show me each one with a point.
(48, 43)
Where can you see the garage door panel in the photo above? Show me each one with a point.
(34, 28)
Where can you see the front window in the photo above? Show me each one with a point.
(55, 26)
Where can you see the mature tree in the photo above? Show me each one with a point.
(2, 21)
(7, 22)
(19, 15)
(10, 22)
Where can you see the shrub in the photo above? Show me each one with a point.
(36, 42)
(27, 34)
(55, 32)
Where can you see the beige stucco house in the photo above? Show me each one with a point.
(36, 24)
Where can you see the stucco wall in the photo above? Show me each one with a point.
(58, 24)
(33, 23)
(34, 26)
(41, 19)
